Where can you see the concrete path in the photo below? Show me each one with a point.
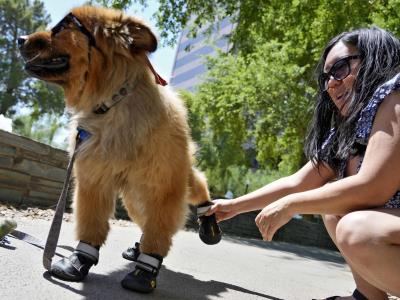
(236, 268)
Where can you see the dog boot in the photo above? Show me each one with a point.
(143, 278)
(132, 253)
(209, 231)
(76, 267)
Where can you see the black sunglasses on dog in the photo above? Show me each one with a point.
(339, 71)
(71, 18)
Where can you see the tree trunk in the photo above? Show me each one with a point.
(14, 76)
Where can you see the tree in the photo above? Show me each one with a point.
(248, 110)
(42, 130)
(21, 17)
(261, 94)
(263, 91)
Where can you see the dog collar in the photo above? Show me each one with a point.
(124, 91)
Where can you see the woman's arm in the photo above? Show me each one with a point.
(305, 179)
(308, 177)
(378, 178)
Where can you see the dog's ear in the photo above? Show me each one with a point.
(142, 38)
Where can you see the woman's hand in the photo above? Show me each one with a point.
(223, 209)
(273, 217)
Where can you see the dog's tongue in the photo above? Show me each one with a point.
(159, 79)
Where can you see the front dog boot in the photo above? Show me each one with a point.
(209, 231)
(143, 278)
(76, 267)
(132, 253)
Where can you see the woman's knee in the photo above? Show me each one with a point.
(353, 232)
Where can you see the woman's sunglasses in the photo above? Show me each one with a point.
(339, 71)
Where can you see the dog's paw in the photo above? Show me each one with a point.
(209, 230)
(143, 278)
(73, 268)
(76, 267)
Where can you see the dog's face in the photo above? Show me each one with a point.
(86, 47)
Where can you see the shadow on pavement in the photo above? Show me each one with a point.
(299, 250)
(171, 285)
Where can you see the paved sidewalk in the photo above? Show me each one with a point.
(236, 268)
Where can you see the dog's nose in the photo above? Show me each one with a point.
(21, 40)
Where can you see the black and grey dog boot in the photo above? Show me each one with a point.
(209, 231)
(76, 267)
(132, 253)
(143, 278)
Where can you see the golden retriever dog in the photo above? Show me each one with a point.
(133, 138)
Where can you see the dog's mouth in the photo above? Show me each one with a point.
(48, 66)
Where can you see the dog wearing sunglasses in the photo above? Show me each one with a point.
(130, 137)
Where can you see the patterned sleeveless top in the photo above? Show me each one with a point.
(364, 128)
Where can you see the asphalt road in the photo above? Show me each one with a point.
(236, 268)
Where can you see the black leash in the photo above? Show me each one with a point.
(55, 228)
(54, 232)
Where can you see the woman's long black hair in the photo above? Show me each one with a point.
(380, 60)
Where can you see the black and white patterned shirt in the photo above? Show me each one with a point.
(364, 128)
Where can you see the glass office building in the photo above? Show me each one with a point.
(189, 65)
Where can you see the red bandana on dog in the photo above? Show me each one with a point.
(159, 79)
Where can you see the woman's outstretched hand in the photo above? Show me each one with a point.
(223, 209)
(273, 217)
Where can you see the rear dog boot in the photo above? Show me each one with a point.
(209, 231)
(76, 267)
(132, 253)
(143, 278)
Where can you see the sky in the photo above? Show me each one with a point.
(162, 59)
